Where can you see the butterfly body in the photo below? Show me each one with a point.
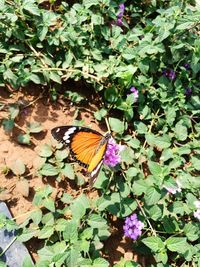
(86, 146)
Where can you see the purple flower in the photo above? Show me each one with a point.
(135, 92)
(120, 14)
(133, 227)
(169, 73)
(119, 22)
(121, 10)
(197, 214)
(112, 157)
(186, 66)
(188, 91)
(174, 190)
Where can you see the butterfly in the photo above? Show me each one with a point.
(87, 146)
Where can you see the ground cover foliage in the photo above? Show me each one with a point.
(155, 47)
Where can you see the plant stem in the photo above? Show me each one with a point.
(143, 212)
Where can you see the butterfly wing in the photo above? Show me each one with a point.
(86, 146)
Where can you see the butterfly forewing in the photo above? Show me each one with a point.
(84, 145)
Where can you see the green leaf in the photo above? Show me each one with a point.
(111, 94)
(152, 196)
(68, 171)
(169, 224)
(49, 204)
(161, 142)
(140, 127)
(176, 244)
(181, 132)
(156, 212)
(35, 127)
(155, 168)
(27, 262)
(36, 216)
(170, 115)
(131, 173)
(96, 221)
(31, 7)
(24, 139)
(116, 125)
(46, 232)
(48, 170)
(45, 151)
(99, 114)
(72, 257)
(79, 206)
(18, 167)
(8, 125)
(154, 243)
(71, 232)
(192, 231)
(161, 256)
(195, 160)
(55, 77)
(14, 111)
(61, 154)
(89, 3)
(100, 262)
(27, 234)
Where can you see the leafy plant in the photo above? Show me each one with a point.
(153, 47)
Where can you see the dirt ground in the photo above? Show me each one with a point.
(50, 114)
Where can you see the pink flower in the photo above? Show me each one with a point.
(135, 93)
(197, 214)
(174, 190)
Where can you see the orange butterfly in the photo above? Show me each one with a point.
(87, 146)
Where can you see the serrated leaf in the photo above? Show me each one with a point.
(49, 204)
(46, 232)
(152, 196)
(192, 231)
(96, 221)
(27, 234)
(176, 244)
(161, 142)
(61, 154)
(68, 171)
(154, 243)
(45, 151)
(155, 168)
(116, 125)
(48, 170)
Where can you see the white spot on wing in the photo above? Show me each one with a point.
(67, 133)
(96, 169)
